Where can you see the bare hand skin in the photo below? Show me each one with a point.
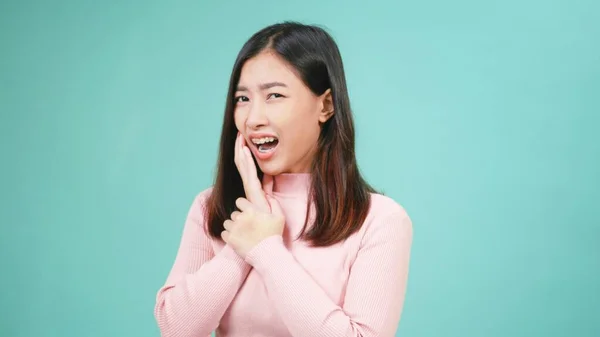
(248, 228)
(255, 193)
(260, 215)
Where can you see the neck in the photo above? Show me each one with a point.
(293, 184)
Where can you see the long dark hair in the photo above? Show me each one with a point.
(340, 195)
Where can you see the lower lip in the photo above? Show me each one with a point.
(264, 155)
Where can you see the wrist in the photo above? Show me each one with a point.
(264, 248)
(231, 255)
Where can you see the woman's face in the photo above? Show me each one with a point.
(278, 115)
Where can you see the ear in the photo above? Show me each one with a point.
(327, 108)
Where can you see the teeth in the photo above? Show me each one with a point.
(259, 141)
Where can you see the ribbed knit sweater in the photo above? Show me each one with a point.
(284, 287)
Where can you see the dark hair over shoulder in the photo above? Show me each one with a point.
(340, 194)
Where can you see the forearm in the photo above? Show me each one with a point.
(375, 289)
(301, 303)
(193, 304)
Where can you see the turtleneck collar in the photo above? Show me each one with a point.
(292, 184)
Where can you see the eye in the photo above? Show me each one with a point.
(240, 99)
(275, 95)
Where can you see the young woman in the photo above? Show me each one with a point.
(290, 240)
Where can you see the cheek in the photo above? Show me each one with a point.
(303, 130)
(238, 119)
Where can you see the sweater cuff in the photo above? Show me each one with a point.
(229, 254)
(269, 252)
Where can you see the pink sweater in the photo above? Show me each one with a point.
(284, 287)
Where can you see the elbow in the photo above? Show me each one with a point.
(165, 323)
(173, 321)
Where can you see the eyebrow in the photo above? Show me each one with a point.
(263, 86)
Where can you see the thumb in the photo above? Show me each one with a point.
(275, 207)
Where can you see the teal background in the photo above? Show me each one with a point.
(480, 117)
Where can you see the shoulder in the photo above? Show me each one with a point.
(203, 196)
(384, 206)
(199, 203)
(387, 217)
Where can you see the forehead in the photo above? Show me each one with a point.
(267, 67)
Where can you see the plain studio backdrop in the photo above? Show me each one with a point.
(480, 117)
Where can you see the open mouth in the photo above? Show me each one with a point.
(265, 144)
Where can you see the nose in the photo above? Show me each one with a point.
(256, 117)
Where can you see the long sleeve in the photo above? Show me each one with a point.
(375, 292)
(200, 285)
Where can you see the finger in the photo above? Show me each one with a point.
(247, 152)
(235, 215)
(237, 153)
(252, 185)
(228, 225)
(243, 165)
(275, 207)
(242, 141)
(225, 236)
(248, 160)
(244, 151)
(247, 169)
(267, 184)
(255, 191)
(235, 147)
(244, 205)
(249, 163)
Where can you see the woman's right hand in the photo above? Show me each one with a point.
(255, 190)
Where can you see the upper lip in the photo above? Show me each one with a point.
(259, 135)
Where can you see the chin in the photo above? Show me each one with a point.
(272, 172)
(271, 168)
